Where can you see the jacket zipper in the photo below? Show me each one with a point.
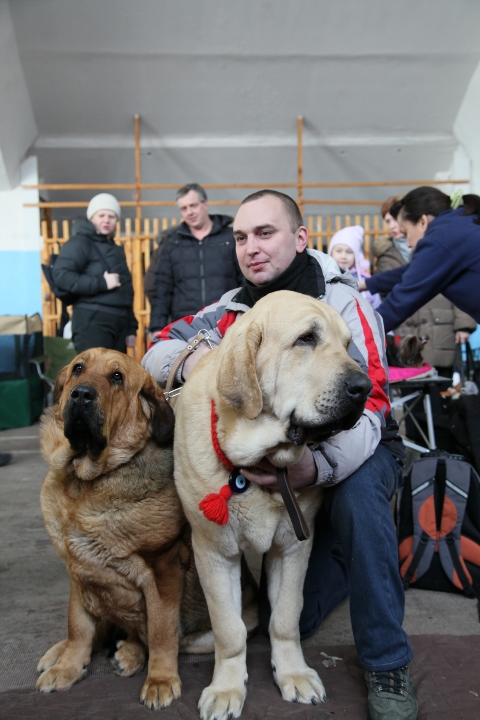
(202, 275)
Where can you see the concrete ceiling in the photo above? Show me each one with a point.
(219, 86)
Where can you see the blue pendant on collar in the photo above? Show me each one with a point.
(238, 484)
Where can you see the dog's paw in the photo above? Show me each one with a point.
(59, 678)
(129, 658)
(160, 693)
(302, 687)
(221, 704)
(51, 656)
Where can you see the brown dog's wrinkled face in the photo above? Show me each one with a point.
(108, 403)
(288, 357)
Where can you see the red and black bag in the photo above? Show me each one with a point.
(439, 525)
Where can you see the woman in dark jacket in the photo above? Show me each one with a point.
(103, 311)
(438, 323)
(446, 258)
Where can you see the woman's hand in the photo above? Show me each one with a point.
(461, 337)
(112, 280)
(362, 285)
(301, 474)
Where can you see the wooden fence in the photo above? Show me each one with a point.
(138, 237)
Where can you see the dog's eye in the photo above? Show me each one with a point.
(117, 378)
(77, 369)
(307, 339)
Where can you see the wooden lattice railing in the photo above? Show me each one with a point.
(138, 237)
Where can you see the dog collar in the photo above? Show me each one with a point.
(214, 506)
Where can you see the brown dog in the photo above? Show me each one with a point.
(114, 517)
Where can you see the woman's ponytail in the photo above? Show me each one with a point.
(471, 203)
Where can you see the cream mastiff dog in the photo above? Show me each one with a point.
(280, 378)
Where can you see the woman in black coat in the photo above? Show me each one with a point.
(103, 309)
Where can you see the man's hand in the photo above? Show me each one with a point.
(301, 474)
(461, 337)
(193, 359)
(362, 285)
(112, 280)
(130, 340)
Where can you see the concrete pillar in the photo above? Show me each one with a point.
(20, 244)
(467, 128)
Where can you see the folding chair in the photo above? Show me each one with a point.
(57, 352)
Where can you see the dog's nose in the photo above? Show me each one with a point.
(83, 395)
(358, 385)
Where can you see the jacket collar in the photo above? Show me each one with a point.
(218, 223)
(331, 271)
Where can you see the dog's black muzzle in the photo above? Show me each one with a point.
(347, 410)
(83, 421)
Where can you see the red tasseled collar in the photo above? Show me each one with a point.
(221, 455)
(214, 506)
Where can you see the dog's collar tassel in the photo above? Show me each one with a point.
(214, 506)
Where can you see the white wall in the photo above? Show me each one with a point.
(17, 123)
(467, 128)
(20, 244)
(20, 226)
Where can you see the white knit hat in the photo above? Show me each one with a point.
(104, 201)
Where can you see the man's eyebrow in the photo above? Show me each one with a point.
(256, 229)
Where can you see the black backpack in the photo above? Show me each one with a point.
(438, 522)
(65, 296)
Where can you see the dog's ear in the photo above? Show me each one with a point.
(237, 380)
(163, 419)
(59, 383)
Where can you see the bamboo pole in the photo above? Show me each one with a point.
(300, 163)
(138, 169)
(171, 203)
(230, 186)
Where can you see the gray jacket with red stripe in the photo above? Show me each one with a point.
(341, 455)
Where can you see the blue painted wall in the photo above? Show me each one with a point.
(20, 289)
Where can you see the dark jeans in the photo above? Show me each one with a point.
(355, 553)
(93, 328)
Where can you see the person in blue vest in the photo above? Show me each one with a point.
(444, 233)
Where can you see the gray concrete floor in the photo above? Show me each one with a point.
(35, 588)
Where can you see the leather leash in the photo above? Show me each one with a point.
(201, 336)
(293, 508)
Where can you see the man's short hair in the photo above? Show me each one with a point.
(202, 195)
(291, 207)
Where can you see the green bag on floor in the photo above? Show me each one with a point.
(21, 402)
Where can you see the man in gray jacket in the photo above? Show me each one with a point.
(355, 547)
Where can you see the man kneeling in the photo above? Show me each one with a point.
(354, 549)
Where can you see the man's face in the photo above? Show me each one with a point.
(194, 212)
(265, 242)
(104, 222)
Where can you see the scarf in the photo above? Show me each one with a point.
(403, 249)
(300, 276)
